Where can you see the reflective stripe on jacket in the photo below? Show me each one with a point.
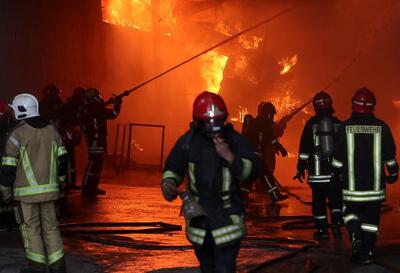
(34, 152)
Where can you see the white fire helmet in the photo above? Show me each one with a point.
(25, 106)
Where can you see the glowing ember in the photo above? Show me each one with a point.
(250, 42)
(137, 14)
(287, 64)
(212, 70)
(137, 145)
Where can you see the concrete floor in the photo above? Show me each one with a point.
(145, 245)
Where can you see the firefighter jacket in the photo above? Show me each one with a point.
(311, 151)
(94, 126)
(6, 125)
(52, 111)
(213, 183)
(364, 147)
(263, 138)
(34, 161)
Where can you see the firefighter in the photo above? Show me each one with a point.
(33, 168)
(263, 134)
(6, 123)
(51, 104)
(71, 135)
(365, 148)
(95, 116)
(315, 154)
(216, 158)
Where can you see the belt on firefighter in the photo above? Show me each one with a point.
(320, 178)
(363, 196)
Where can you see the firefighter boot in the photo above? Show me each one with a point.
(58, 267)
(321, 233)
(356, 248)
(336, 231)
(33, 267)
(277, 196)
(369, 257)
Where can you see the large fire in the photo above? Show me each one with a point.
(212, 70)
(287, 64)
(138, 14)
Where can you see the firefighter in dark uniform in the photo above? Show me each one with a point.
(6, 124)
(263, 134)
(216, 158)
(365, 148)
(71, 114)
(315, 154)
(95, 116)
(51, 105)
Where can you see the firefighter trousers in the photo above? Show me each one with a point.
(267, 179)
(40, 233)
(91, 178)
(216, 259)
(362, 222)
(326, 195)
(71, 177)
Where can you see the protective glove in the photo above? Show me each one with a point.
(7, 194)
(283, 151)
(391, 179)
(62, 185)
(279, 148)
(300, 175)
(169, 189)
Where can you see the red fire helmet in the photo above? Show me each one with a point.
(208, 106)
(321, 101)
(3, 106)
(364, 101)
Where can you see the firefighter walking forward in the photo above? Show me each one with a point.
(32, 171)
(216, 158)
(365, 148)
(315, 155)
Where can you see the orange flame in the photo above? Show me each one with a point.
(212, 70)
(245, 40)
(250, 42)
(242, 113)
(285, 103)
(287, 64)
(223, 28)
(137, 13)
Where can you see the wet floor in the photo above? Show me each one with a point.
(132, 229)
